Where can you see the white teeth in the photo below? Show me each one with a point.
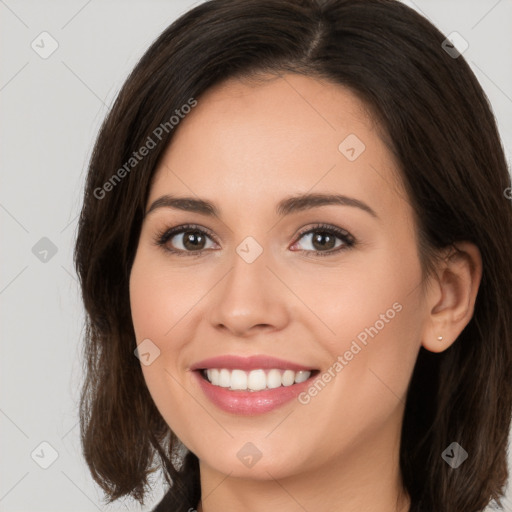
(274, 379)
(238, 379)
(301, 376)
(224, 378)
(255, 380)
(288, 378)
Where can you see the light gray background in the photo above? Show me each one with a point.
(51, 111)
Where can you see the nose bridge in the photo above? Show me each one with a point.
(249, 295)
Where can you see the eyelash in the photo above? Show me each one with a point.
(163, 237)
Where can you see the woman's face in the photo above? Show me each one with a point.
(329, 287)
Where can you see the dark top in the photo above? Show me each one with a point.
(168, 504)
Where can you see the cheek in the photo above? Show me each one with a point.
(374, 313)
(372, 359)
(364, 293)
(159, 304)
(161, 296)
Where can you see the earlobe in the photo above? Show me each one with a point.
(452, 299)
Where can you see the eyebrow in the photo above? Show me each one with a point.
(285, 207)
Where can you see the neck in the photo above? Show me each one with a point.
(364, 478)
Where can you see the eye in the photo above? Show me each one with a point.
(192, 240)
(185, 239)
(322, 240)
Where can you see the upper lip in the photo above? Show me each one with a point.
(248, 363)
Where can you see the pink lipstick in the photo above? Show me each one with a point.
(251, 385)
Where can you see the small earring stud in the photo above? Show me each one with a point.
(440, 338)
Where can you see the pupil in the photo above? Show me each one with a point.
(194, 239)
(317, 239)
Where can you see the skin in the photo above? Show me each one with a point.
(246, 146)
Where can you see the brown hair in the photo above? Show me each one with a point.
(444, 136)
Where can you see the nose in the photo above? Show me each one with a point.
(250, 299)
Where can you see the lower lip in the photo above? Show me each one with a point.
(250, 403)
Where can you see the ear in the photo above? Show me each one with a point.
(451, 296)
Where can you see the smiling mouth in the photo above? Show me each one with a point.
(255, 380)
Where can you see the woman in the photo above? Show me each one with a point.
(294, 251)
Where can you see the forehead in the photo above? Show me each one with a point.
(256, 139)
